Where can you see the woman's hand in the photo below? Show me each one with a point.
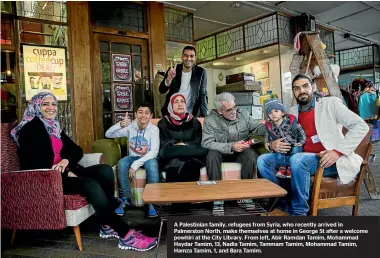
(61, 166)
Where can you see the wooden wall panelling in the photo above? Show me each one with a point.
(82, 89)
(157, 42)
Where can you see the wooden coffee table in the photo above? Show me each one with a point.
(190, 192)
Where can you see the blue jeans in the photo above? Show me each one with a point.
(302, 165)
(151, 167)
(283, 159)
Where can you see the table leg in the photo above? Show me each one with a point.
(272, 207)
(159, 237)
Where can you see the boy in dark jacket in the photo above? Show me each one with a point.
(285, 126)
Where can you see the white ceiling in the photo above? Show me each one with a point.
(247, 58)
(361, 18)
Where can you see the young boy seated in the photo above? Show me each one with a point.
(144, 144)
(285, 126)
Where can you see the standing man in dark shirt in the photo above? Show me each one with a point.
(189, 80)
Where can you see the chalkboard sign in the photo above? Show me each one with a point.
(122, 68)
(122, 97)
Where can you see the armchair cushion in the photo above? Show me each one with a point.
(330, 188)
(74, 201)
(91, 159)
(34, 197)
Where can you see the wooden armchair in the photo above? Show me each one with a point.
(327, 193)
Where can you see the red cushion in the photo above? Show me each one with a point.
(74, 201)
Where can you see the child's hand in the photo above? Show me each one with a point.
(126, 121)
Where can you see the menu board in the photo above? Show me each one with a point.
(44, 70)
(118, 116)
(122, 97)
(121, 68)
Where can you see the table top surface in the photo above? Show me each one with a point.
(222, 190)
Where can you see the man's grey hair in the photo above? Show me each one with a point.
(223, 97)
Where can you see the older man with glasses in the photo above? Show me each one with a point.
(225, 134)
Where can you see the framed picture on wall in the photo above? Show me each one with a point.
(122, 97)
(121, 68)
(118, 116)
(261, 70)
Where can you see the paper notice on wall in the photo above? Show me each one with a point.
(45, 70)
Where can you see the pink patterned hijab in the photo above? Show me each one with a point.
(34, 110)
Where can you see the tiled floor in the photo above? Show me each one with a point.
(62, 243)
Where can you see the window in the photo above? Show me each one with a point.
(6, 32)
(43, 10)
(119, 15)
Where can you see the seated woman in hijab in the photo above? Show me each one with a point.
(181, 154)
(42, 144)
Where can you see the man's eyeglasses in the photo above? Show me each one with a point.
(230, 110)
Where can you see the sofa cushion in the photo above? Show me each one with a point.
(74, 201)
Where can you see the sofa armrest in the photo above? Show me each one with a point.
(110, 150)
(32, 199)
(91, 159)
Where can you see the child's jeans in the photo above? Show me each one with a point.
(283, 159)
(152, 174)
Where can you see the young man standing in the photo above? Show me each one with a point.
(322, 120)
(144, 143)
(188, 79)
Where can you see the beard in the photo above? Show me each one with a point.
(304, 101)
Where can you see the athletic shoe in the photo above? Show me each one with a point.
(136, 241)
(151, 212)
(106, 232)
(281, 172)
(123, 203)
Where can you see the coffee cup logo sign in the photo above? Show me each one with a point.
(122, 68)
(123, 97)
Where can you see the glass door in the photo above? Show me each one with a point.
(122, 78)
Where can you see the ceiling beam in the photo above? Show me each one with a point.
(371, 5)
(349, 15)
(336, 28)
(213, 21)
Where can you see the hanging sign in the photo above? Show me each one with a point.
(122, 94)
(122, 68)
(44, 70)
(118, 116)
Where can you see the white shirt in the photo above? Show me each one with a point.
(185, 90)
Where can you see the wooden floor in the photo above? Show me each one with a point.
(48, 244)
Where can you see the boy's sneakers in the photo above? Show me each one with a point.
(283, 172)
(247, 204)
(106, 232)
(136, 241)
(151, 211)
(123, 203)
(218, 208)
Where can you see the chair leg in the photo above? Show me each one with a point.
(13, 236)
(355, 209)
(78, 238)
